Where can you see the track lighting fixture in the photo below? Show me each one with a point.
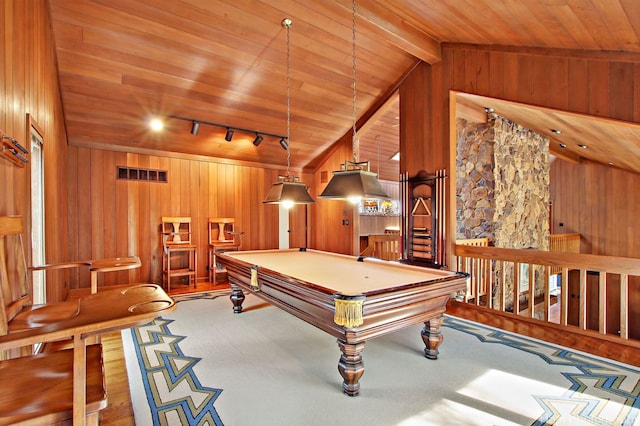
(195, 128)
(229, 130)
(284, 144)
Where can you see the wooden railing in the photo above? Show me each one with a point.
(383, 246)
(594, 291)
(567, 243)
(479, 274)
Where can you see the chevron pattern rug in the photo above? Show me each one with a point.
(203, 365)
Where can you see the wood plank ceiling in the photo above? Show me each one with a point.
(122, 62)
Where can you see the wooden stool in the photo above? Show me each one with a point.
(178, 248)
(222, 237)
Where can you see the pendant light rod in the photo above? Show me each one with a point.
(354, 181)
(286, 23)
(288, 190)
(354, 116)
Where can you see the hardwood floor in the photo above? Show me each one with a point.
(120, 413)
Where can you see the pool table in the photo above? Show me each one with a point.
(352, 298)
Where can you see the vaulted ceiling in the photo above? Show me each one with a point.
(122, 62)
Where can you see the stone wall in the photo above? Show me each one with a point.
(475, 181)
(521, 187)
(502, 190)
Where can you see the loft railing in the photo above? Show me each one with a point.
(568, 243)
(383, 246)
(590, 292)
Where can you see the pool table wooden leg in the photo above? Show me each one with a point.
(237, 297)
(432, 337)
(351, 367)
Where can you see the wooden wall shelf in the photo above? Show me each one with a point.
(13, 151)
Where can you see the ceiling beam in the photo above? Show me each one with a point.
(397, 30)
(371, 120)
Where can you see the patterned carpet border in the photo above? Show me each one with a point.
(599, 392)
(174, 392)
(599, 387)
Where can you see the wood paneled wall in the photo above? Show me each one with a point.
(29, 85)
(599, 202)
(109, 217)
(600, 84)
(334, 230)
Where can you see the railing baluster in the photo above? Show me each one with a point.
(564, 296)
(547, 295)
(516, 288)
(602, 302)
(503, 292)
(486, 277)
(624, 306)
(583, 300)
(476, 271)
(532, 291)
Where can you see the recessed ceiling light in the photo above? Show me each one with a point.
(556, 131)
(582, 146)
(489, 109)
(562, 145)
(156, 124)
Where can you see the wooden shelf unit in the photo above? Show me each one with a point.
(422, 208)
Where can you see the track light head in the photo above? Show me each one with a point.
(229, 135)
(195, 128)
(258, 140)
(284, 144)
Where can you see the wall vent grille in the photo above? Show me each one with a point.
(147, 175)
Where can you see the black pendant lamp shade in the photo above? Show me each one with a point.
(288, 192)
(353, 185)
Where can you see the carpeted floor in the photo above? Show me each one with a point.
(205, 365)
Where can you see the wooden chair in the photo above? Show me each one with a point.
(94, 266)
(15, 294)
(180, 255)
(222, 237)
(44, 383)
(53, 387)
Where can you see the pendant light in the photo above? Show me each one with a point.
(354, 181)
(288, 190)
